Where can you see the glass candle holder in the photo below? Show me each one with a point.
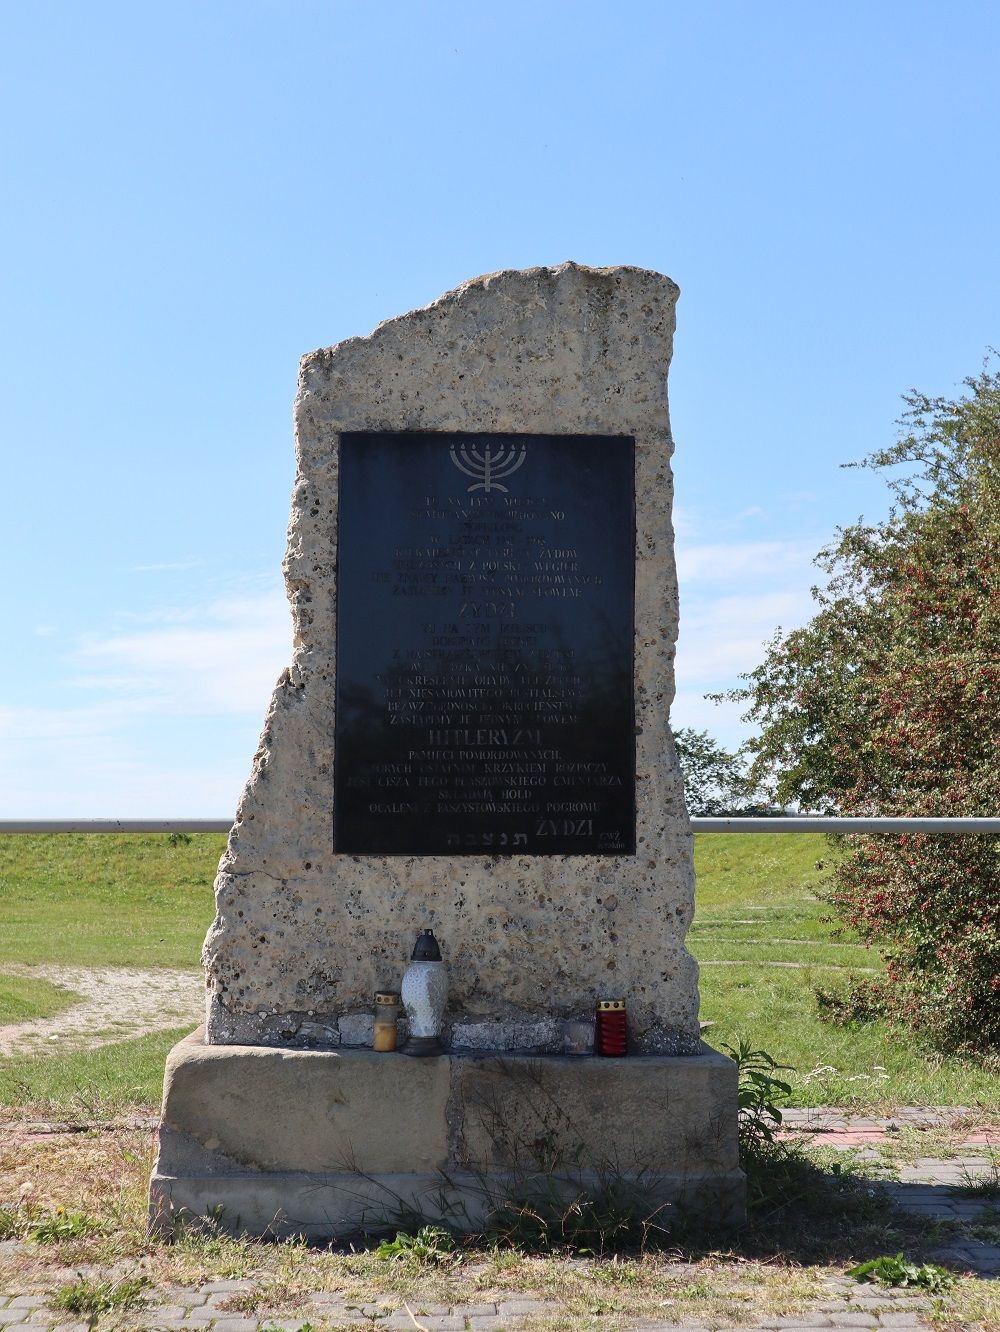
(386, 1013)
(611, 1035)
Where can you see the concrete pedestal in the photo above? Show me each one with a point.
(326, 1144)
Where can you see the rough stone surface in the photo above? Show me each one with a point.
(302, 935)
(650, 1113)
(542, 1037)
(357, 1029)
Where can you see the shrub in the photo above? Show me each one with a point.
(887, 703)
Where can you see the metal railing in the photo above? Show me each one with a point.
(780, 824)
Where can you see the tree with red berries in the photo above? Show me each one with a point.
(888, 702)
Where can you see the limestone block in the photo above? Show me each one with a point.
(647, 1113)
(303, 935)
(299, 1110)
(329, 1143)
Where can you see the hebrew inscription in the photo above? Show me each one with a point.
(484, 699)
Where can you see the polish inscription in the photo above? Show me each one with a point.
(485, 645)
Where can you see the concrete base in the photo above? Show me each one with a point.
(330, 1143)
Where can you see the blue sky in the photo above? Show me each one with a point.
(199, 193)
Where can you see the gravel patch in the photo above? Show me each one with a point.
(117, 1004)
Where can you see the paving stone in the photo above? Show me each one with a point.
(521, 1308)
(494, 1323)
(27, 1302)
(849, 1318)
(221, 1287)
(186, 1295)
(475, 1310)
(217, 1299)
(911, 1318)
(660, 1327)
(442, 1322)
(682, 1327)
(803, 1320)
(236, 1325)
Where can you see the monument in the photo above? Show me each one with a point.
(472, 737)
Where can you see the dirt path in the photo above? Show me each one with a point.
(117, 1003)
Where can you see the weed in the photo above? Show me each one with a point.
(695, 1290)
(759, 1094)
(611, 1214)
(25, 1220)
(431, 1244)
(985, 1183)
(899, 1271)
(91, 1298)
(374, 1316)
(59, 1224)
(272, 1293)
(616, 1272)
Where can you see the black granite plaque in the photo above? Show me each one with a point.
(485, 604)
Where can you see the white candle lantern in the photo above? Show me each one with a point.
(424, 992)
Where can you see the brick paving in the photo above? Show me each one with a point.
(927, 1186)
(852, 1307)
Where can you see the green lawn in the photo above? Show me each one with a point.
(138, 900)
(91, 1083)
(756, 909)
(25, 999)
(98, 899)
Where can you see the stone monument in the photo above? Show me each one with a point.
(472, 737)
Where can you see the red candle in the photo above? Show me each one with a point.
(611, 1037)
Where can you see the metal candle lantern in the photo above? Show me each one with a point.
(425, 992)
(386, 1013)
(611, 1035)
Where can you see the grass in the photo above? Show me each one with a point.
(92, 1084)
(91, 1298)
(808, 1223)
(984, 1183)
(77, 1201)
(757, 909)
(99, 899)
(761, 933)
(26, 999)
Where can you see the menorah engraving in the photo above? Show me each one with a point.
(485, 465)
